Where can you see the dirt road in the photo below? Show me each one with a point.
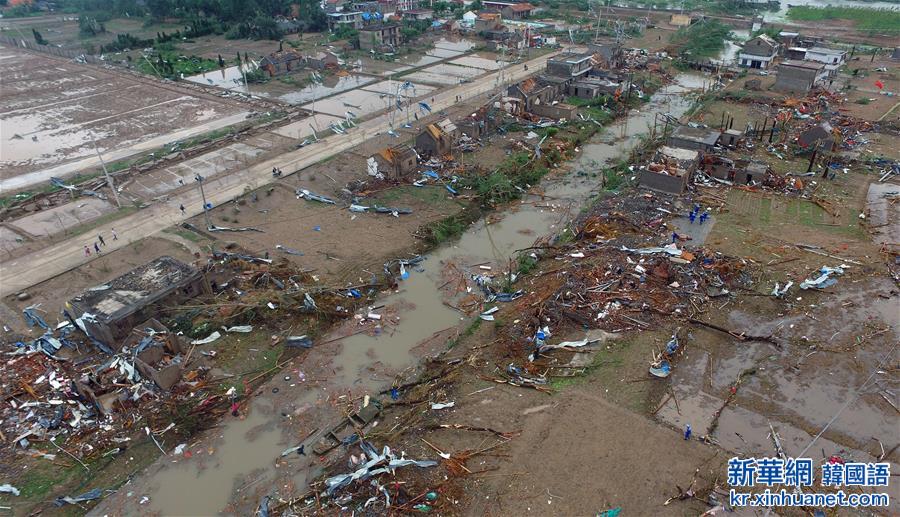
(29, 270)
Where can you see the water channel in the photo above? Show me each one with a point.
(247, 448)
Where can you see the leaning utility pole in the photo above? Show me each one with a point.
(109, 179)
(199, 179)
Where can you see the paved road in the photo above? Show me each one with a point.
(24, 272)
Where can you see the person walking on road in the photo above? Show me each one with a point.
(87, 251)
(114, 234)
(97, 248)
(102, 242)
(182, 210)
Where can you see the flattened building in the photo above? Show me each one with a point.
(134, 297)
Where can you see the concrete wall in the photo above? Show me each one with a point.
(56, 51)
(688, 144)
(558, 111)
(663, 182)
(790, 80)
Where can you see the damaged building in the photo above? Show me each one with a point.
(571, 65)
(697, 138)
(111, 310)
(670, 169)
(282, 62)
(436, 139)
(739, 172)
(396, 161)
(798, 77)
(383, 36)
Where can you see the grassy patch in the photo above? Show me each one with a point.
(184, 233)
(244, 355)
(166, 61)
(43, 481)
(873, 20)
(598, 361)
(446, 229)
(526, 264)
(473, 327)
(705, 38)
(432, 195)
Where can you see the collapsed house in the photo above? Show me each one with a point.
(397, 161)
(730, 137)
(323, 60)
(607, 53)
(436, 139)
(697, 138)
(820, 136)
(670, 169)
(739, 172)
(530, 93)
(282, 62)
(110, 311)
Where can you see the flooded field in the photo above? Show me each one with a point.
(53, 109)
(330, 86)
(231, 78)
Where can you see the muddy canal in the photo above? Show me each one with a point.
(238, 462)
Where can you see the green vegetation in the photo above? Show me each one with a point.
(186, 234)
(235, 18)
(526, 264)
(470, 330)
(166, 61)
(38, 38)
(709, 6)
(703, 39)
(412, 29)
(872, 20)
(89, 26)
(772, 32)
(446, 229)
(560, 383)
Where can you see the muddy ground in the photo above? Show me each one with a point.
(608, 438)
(42, 132)
(53, 294)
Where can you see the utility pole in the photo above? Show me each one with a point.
(109, 179)
(199, 179)
(244, 75)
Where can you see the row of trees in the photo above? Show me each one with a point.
(234, 18)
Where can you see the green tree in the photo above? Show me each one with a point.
(38, 38)
(440, 7)
(312, 17)
(160, 9)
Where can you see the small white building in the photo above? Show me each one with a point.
(758, 52)
(469, 18)
(832, 58)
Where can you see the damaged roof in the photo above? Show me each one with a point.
(137, 288)
(521, 7)
(679, 154)
(697, 134)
